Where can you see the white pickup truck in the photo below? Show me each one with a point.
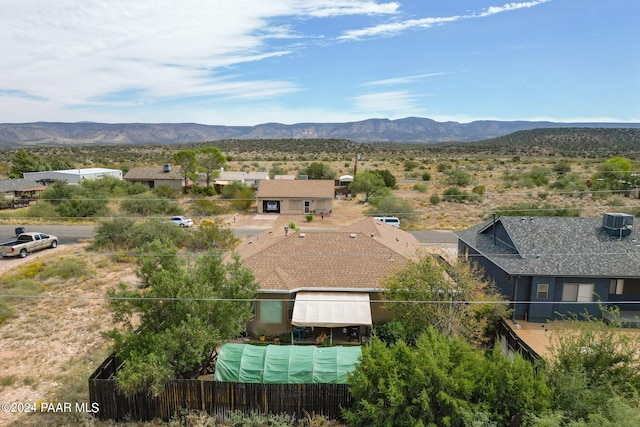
(28, 242)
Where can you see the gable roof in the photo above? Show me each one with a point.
(242, 176)
(311, 188)
(19, 184)
(555, 246)
(147, 173)
(355, 257)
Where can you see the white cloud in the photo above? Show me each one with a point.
(79, 52)
(393, 28)
(387, 104)
(402, 80)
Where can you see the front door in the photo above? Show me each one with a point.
(307, 206)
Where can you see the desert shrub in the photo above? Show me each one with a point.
(6, 312)
(478, 189)
(442, 167)
(166, 192)
(534, 209)
(458, 177)
(146, 204)
(562, 167)
(125, 233)
(393, 206)
(256, 419)
(426, 176)
(208, 208)
(434, 199)
(239, 194)
(454, 194)
(308, 217)
(203, 191)
(41, 210)
(420, 188)
(210, 234)
(536, 177)
(410, 165)
(67, 268)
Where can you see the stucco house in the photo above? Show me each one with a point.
(553, 266)
(156, 176)
(296, 197)
(324, 280)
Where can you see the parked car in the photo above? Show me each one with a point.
(26, 243)
(391, 220)
(182, 221)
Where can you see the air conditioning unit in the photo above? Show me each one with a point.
(617, 224)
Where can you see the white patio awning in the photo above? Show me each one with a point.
(331, 309)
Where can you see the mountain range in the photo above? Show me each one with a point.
(407, 130)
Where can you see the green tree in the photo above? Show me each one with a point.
(393, 206)
(186, 159)
(613, 174)
(367, 182)
(23, 161)
(442, 381)
(276, 169)
(318, 171)
(387, 177)
(594, 362)
(210, 160)
(441, 294)
(75, 201)
(240, 194)
(186, 308)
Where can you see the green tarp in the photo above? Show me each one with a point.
(285, 364)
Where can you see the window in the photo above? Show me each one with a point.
(270, 311)
(616, 287)
(543, 291)
(577, 292)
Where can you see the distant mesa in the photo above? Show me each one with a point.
(407, 130)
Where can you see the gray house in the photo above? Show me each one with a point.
(553, 266)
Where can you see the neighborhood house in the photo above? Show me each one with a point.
(296, 196)
(317, 283)
(553, 266)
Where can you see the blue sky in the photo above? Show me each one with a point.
(246, 62)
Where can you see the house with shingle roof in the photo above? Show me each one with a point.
(296, 196)
(156, 176)
(324, 279)
(18, 192)
(553, 266)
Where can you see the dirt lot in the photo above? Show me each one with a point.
(53, 344)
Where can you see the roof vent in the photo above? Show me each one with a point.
(352, 235)
(166, 168)
(617, 224)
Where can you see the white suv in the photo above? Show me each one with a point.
(181, 221)
(391, 220)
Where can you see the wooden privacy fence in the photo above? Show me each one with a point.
(215, 398)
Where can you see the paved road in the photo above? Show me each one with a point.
(73, 233)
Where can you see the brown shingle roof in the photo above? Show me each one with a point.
(151, 173)
(345, 259)
(312, 188)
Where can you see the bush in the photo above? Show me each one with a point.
(434, 199)
(392, 207)
(420, 188)
(210, 234)
(308, 217)
(68, 268)
(208, 208)
(534, 209)
(146, 204)
(458, 177)
(410, 165)
(390, 331)
(426, 176)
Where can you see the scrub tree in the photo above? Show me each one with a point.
(182, 310)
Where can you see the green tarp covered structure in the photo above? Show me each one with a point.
(285, 364)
